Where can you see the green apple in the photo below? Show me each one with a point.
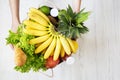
(45, 9)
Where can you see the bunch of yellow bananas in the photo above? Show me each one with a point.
(47, 40)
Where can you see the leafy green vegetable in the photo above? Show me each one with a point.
(11, 40)
(34, 61)
(72, 24)
(81, 17)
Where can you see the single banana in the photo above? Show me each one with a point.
(72, 45)
(75, 44)
(39, 39)
(34, 25)
(38, 19)
(28, 28)
(35, 32)
(50, 48)
(65, 45)
(52, 53)
(40, 13)
(57, 49)
(44, 45)
(62, 53)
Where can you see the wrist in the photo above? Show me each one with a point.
(15, 19)
(15, 24)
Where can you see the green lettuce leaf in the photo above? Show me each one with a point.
(34, 62)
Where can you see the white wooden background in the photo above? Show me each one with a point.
(98, 57)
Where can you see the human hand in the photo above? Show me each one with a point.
(15, 24)
(14, 7)
(77, 5)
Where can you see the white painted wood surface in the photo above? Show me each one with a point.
(98, 57)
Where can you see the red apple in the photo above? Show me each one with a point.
(50, 63)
